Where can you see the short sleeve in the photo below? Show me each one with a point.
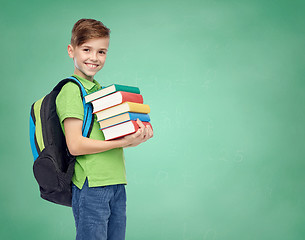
(69, 103)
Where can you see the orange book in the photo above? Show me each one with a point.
(122, 129)
(115, 99)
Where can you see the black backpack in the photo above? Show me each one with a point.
(53, 164)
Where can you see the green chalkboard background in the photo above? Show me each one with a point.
(225, 82)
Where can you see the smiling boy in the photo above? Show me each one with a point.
(89, 58)
(98, 189)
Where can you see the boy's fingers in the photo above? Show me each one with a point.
(150, 132)
(141, 125)
(145, 131)
(139, 132)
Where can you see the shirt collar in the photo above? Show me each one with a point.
(88, 85)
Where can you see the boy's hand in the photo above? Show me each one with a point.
(140, 136)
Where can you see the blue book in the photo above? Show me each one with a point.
(124, 117)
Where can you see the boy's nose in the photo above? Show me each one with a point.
(93, 56)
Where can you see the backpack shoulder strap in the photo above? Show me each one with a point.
(88, 116)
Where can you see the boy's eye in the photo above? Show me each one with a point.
(86, 50)
(102, 52)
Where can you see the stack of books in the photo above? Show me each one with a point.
(117, 108)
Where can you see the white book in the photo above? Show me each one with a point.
(115, 99)
(121, 129)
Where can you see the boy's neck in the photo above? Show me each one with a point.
(82, 75)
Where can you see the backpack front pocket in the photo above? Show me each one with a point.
(46, 171)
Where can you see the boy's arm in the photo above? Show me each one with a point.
(79, 145)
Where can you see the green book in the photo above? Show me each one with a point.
(110, 89)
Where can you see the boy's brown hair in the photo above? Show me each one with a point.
(85, 29)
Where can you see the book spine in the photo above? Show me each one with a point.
(123, 108)
(124, 88)
(117, 119)
(113, 100)
(131, 97)
(137, 126)
(139, 108)
(142, 116)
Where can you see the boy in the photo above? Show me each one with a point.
(98, 189)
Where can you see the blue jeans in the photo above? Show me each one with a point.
(99, 212)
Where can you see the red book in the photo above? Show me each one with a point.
(115, 99)
(122, 129)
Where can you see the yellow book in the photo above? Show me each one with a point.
(121, 108)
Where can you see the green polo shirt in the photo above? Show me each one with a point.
(101, 169)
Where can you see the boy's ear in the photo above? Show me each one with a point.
(71, 51)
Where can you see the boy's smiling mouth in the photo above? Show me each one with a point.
(92, 65)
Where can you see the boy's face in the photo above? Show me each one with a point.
(89, 58)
